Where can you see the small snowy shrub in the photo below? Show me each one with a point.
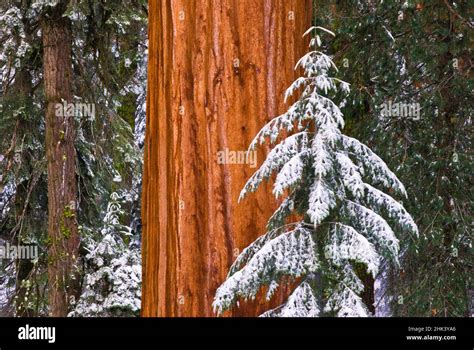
(112, 285)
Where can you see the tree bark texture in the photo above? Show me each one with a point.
(218, 70)
(61, 158)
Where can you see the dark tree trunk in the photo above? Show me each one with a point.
(61, 158)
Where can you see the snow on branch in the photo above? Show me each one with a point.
(301, 303)
(346, 244)
(374, 166)
(291, 254)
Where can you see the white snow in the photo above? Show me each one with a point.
(323, 174)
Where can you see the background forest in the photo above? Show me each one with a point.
(109, 71)
(389, 51)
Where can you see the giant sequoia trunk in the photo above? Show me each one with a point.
(61, 157)
(217, 73)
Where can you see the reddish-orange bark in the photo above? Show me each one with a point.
(217, 73)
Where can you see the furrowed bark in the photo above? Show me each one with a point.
(217, 73)
(61, 157)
